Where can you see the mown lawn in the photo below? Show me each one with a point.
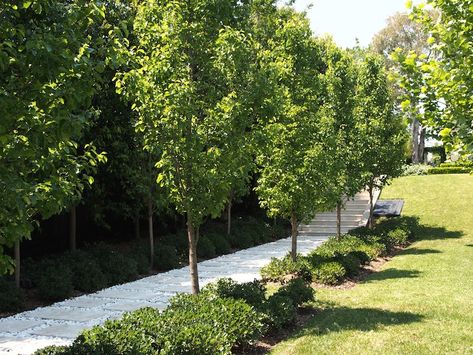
(421, 302)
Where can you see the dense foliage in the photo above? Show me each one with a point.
(193, 103)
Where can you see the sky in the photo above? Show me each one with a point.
(348, 20)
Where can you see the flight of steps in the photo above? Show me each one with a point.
(355, 214)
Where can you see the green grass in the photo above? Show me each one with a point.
(421, 302)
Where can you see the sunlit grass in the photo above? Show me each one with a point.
(421, 302)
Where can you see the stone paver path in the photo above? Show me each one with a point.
(61, 322)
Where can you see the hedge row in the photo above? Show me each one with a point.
(464, 164)
(450, 170)
(339, 258)
(223, 316)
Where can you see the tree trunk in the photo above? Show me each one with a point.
(421, 144)
(370, 220)
(294, 232)
(192, 238)
(73, 229)
(339, 219)
(415, 142)
(17, 264)
(150, 233)
(229, 217)
(136, 221)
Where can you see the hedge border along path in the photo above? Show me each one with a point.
(60, 323)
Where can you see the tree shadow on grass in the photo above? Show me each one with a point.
(419, 251)
(435, 233)
(469, 245)
(338, 319)
(392, 273)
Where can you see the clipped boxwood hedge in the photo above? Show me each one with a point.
(450, 170)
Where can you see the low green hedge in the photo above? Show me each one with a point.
(278, 269)
(450, 170)
(11, 297)
(342, 257)
(464, 164)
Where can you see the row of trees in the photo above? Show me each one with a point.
(217, 92)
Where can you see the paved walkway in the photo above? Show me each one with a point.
(61, 322)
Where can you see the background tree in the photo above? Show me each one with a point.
(44, 103)
(449, 75)
(192, 88)
(408, 38)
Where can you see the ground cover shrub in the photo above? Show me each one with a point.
(395, 238)
(165, 257)
(87, 276)
(279, 311)
(11, 298)
(54, 280)
(252, 292)
(117, 267)
(410, 225)
(415, 169)
(220, 242)
(205, 248)
(328, 272)
(178, 241)
(54, 350)
(227, 320)
(140, 253)
(278, 269)
(298, 290)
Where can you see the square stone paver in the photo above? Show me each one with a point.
(132, 306)
(126, 294)
(85, 302)
(75, 315)
(70, 331)
(17, 325)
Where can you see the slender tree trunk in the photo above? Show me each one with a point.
(415, 141)
(294, 232)
(17, 264)
(73, 229)
(150, 233)
(370, 220)
(192, 237)
(421, 144)
(229, 217)
(339, 219)
(136, 222)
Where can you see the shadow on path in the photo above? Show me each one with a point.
(362, 319)
(392, 273)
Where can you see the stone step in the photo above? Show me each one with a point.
(327, 226)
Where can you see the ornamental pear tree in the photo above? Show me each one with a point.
(192, 84)
(294, 157)
(383, 131)
(339, 108)
(47, 79)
